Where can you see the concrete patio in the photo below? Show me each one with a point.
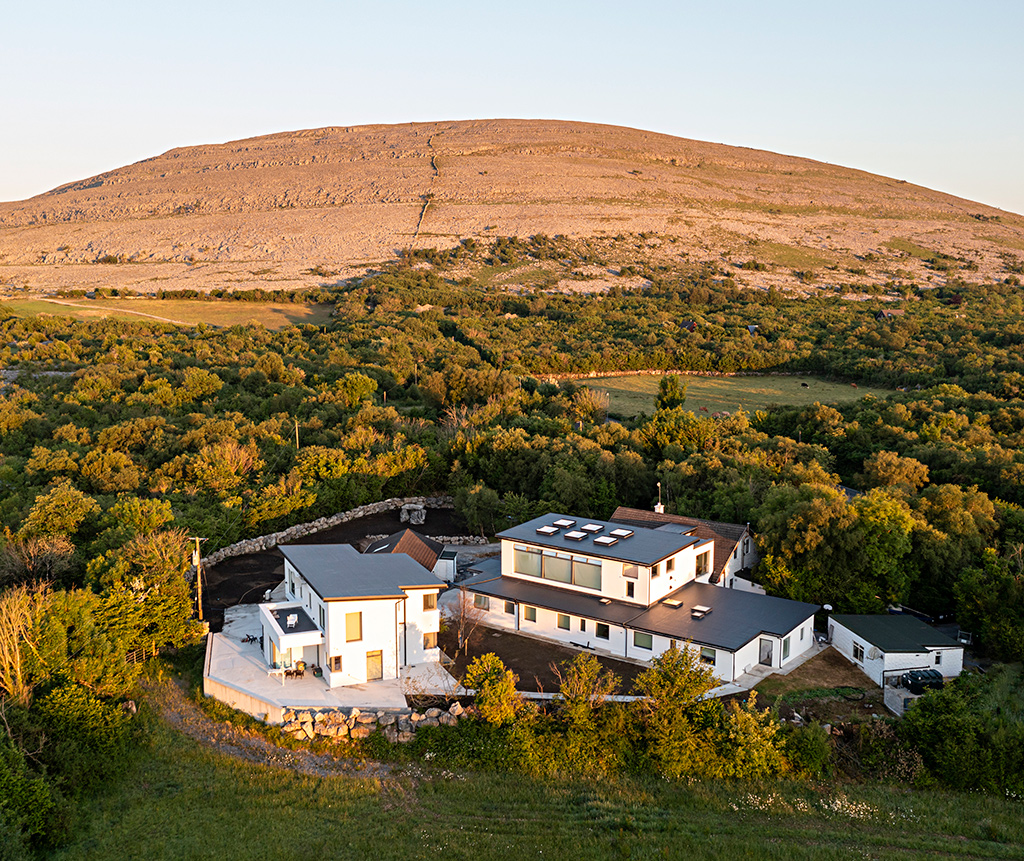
(237, 674)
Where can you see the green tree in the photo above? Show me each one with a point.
(61, 511)
(497, 700)
(671, 392)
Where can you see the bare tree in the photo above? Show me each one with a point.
(20, 607)
(464, 617)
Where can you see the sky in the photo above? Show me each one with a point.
(929, 92)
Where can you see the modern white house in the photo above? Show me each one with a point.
(431, 554)
(634, 592)
(353, 617)
(886, 646)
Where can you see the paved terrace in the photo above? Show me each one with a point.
(236, 673)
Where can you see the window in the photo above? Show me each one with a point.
(630, 571)
(707, 655)
(336, 664)
(323, 621)
(858, 652)
(353, 627)
(655, 571)
(557, 567)
(481, 602)
(670, 565)
(430, 640)
(510, 608)
(642, 640)
(530, 614)
(586, 573)
(704, 563)
(785, 649)
(527, 562)
(563, 621)
(601, 631)
(801, 635)
(583, 624)
(938, 658)
(630, 591)
(430, 601)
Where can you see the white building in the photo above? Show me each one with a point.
(886, 646)
(633, 592)
(357, 618)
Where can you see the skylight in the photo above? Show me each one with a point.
(564, 523)
(606, 540)
(621, 533)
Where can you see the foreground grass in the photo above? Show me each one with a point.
(183, 801)
(182, 311)
(630, 395)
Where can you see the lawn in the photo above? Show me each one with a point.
(180, 800)
(633, 394)
(186, 312)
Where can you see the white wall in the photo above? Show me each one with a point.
(885, 665)
(419, 622)
(379, 633)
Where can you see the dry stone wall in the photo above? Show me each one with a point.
(266, 542)
(356, 724)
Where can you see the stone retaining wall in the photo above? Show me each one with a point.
(454, 540)
(356, 724)
(267, 542)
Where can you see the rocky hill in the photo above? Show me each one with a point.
(266, 211)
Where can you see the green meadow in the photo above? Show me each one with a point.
(633, 394)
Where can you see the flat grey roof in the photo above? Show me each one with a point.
(551, 598)
(643, 547)
(895, 633)
(337, 571)
(302, 625)
(736, 617)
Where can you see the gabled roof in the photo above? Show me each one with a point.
(725, 535)
(895, 633)
(337, 572)
(424, 550)
(642, 546)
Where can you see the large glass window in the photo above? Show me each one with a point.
(481, 602)
(704, 563)
(430, 601)
(353, 627)
(557, 568)
(563, 621)
(602, 631)
(642, 640)
(527, 562)
(586, 573)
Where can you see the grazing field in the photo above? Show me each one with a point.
(633, 394)
(184, 801)
(185, 312)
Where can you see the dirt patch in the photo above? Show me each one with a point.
(529, 658)
(182, 714)
(244, 579)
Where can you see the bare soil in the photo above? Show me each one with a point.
(244, 579)
(531, 659)
(297, 209)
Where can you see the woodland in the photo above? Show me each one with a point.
(119, 441)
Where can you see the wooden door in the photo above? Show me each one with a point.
(374, 666)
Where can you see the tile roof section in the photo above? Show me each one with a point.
(424, 550)
(643, 547)
(337, 571)
(895, 633)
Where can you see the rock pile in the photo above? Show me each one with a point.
(356, 724)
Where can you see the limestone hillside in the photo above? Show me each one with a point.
(265, 211)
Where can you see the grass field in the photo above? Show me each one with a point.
(186, 312)
(181, 801)
(630, 395)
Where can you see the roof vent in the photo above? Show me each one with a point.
(564, 523)
(547, 530)
(605, 540)
(292, 620)
(576, 535)
(621, 533)
(592, 528)
(699, 611)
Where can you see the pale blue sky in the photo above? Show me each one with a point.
(930, 92)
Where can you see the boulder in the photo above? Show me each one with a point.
(303, 717)
(365, 719)
(415, 717)
(429, 722)
(391, 734)
(447, 719)
(386, 720)
(360, 732)
(433, 712)
(456, 709)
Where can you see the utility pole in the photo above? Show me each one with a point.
(197, 562)
(296, 434)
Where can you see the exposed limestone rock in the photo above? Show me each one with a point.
(360, 732)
